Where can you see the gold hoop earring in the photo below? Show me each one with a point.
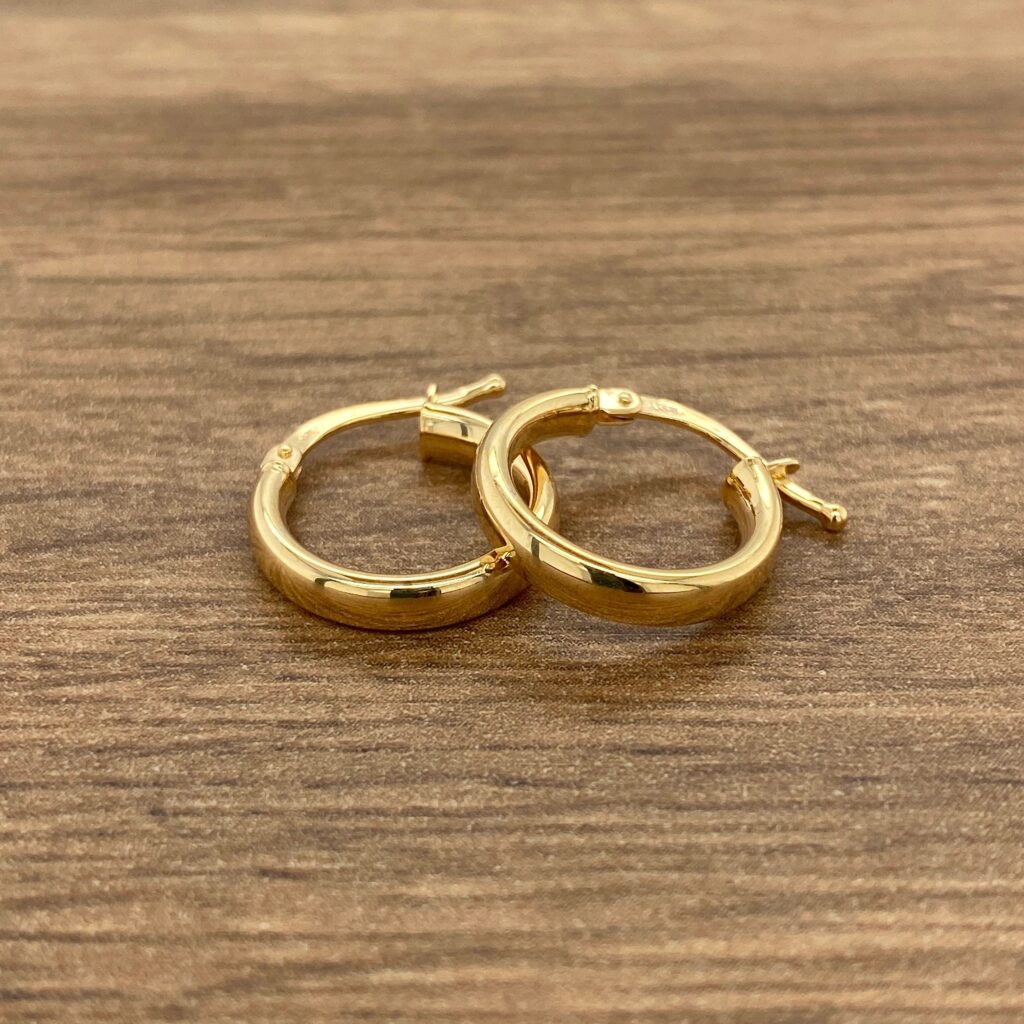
(373, 601)
(615, 590)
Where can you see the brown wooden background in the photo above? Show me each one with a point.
(217, 219)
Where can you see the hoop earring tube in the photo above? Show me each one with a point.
(616, 590)
(391, 602)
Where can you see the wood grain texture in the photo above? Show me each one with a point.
(217, 219)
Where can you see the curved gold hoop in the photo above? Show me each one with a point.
(615, 590)
(373, 601)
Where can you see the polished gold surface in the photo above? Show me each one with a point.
(612, 589)
(401, 602)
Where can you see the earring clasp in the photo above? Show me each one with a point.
(832, 517)
(487, 387)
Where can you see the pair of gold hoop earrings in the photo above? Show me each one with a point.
(515, 496)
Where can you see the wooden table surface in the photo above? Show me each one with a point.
(218, 219)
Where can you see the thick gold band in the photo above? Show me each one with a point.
(615, 590)
(369, 600)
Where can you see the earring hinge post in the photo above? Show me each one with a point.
(486, 387)
(831, 516)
